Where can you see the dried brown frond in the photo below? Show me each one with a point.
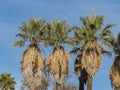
(44, 84)
(59, 65)
(77, 66)
(115, 73)
(59, 61)
(32, 66)
(91, 59)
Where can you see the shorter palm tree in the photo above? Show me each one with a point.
(7, 82)
(115, 69)
(58, 60)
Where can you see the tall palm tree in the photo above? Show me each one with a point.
(115, 69)
(32, 60)
(7, 82)
(89, 37)
(58, 60)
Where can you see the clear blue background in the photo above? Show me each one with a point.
(13, 12)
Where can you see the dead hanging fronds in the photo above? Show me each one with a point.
(91, 59)
(115, 73)
(32, 67)
(59, 61)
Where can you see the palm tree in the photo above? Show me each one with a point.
(115, 69)
(7, 82)
(32, 60)
(89, 37)
(58, 60)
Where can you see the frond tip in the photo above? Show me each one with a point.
(19, 43)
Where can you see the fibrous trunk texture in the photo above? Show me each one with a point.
(32, 67)
(115, 74)
(59, 65)
(89, 83)
(81, 84)
(91, 59)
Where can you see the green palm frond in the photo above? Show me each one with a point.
(75, 50)
(32, 31)
(19, 43)
(106, 33)
(24, 27)
(57, 32)
(93, 22)
(108, 26)
(116, 45)
(23, 36)
(7, 82)
(93, 30)
(108, 53)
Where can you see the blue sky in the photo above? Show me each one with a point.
(13, 12)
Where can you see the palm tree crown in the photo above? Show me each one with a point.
(33, 32)
(7, 82)
(57, 33)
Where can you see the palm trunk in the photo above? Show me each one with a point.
(89, 83)
(81, 85)
(58, 87)
(115, 88)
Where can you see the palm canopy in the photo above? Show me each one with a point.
(92, 31)
(32, 32)
(7, 82)
(57, 33)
